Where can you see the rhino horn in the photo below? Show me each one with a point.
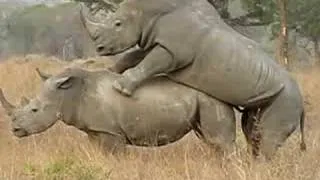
(89, 25)
(24, 101)
(43, 75)
(5, 103)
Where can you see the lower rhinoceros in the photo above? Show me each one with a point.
(188, 40)
(160, 113)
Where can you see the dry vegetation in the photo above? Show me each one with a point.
(64, 152)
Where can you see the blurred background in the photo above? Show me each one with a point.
(52, 28)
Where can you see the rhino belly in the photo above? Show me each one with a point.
(158, 126)
(160, 114)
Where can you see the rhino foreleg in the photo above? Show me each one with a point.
(159, 60)
(107, 143)
(129, 60)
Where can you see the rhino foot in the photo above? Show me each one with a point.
(118, 85)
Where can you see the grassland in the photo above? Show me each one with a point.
(65, 153)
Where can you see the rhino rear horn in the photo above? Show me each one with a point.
(43, 75)
(90, 26)
(5, 103)
(24, 101)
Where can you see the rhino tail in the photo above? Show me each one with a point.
(303, 145)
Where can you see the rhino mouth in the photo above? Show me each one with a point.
(113, 51)
(19, 132)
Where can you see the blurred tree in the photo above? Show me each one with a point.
(304, 18)
(44, 29)
(259, 13)
(284, 16)
(283, 33)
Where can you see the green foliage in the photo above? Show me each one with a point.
(264, 10)
(58, 169)
(30, 170)
(303, 16)
(69, 167)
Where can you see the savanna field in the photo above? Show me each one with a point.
(64, 152)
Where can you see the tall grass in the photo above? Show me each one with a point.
(63, 152)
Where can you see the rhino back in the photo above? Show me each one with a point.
(233, 68)
(182, 30)
(225, 64)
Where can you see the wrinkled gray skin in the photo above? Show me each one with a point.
(160, 113)
(188, 41)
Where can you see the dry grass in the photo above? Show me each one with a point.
(64, 152)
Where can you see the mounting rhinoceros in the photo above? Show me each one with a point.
(187, 40)
(160, 113)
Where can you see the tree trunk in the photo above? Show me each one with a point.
(283, 34)
(316, 49)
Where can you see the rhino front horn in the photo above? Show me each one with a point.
(6, 105)
(43, 75)
(90, 26)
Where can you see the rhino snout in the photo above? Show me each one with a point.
(19, 132)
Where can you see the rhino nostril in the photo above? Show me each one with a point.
(16, 129)
(19, 132)
(100, 48)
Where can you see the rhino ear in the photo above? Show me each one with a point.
(64, 82)
(43, 75)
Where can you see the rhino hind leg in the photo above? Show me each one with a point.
(277, 121)
(216, 125)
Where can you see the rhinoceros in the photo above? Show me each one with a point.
(188, 41)
(160, 113)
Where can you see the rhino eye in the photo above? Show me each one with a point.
(118, 23)
(34, 110)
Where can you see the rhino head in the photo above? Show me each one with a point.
(56, 100)
(119, 32)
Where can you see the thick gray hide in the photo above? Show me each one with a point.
(191, 43)
(202, 42)
(161, 112)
